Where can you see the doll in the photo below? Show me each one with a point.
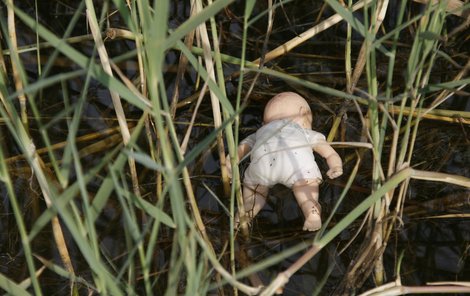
(281, 153)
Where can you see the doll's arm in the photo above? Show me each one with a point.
(333, 160)
(243, 149)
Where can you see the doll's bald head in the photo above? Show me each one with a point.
(291, 106)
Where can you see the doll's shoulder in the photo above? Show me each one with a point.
(315, 136)
(250, 140)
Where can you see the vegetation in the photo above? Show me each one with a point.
(117, 117)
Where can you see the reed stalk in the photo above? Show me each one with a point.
(15, 60)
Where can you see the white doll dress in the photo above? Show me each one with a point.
(282, 154)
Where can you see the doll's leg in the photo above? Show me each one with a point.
(306, 194)
(254, 199)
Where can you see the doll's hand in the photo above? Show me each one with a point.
(334, 172)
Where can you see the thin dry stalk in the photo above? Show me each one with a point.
(441, 177)
(204, 38)
(3, 68)
(3, 71)
(361, 59)
(334, 127)
(101, 145)
(445, 94)
(448, 216)
(39, 166)
(352, 144)
(450, 116)
(395, 288)
(96, 147)
(60, 145)
(305, 36)
(347, 58)
(15, 59)
(143, 96)
(121, 116)
(185, 142)
(37, 46)
(130, 85)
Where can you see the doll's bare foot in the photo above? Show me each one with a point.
(312, 222)
(313, 216)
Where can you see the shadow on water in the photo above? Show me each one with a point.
(435, 246)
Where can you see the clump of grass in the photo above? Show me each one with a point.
(163, 240)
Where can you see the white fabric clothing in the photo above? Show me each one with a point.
(282, 154)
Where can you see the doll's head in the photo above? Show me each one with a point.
(288, 105)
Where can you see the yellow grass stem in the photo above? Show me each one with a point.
(45, 179)
(395, 288)
(334, 127)
(204, 37)
(361, 59)
(187, 135)
(448, 216)
(3, 100)
(121, 116)
(95, 147)
(347, 58)
(37, 46)
(441, 177)
(450, 116)
(15, 62)
(220, 76)
(60, 145)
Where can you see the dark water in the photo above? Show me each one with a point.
(434, 249)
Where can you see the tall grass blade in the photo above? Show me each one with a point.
(11, 287)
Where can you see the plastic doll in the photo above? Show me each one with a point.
(281, 153)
